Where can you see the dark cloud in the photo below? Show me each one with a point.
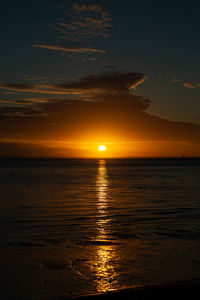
(21, 111)
(110, 81)
(103, 105)
(35, 88)
(105, 87)
(28, 150)
(76, 120)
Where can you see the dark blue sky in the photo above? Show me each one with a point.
(160, 39)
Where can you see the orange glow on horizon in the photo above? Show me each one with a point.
(88, 147)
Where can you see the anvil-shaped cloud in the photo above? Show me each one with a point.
(100, 105)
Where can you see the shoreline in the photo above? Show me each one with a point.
(173, 290)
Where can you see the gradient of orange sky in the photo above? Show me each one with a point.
(107, 111)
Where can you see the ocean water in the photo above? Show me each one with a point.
(79, 227)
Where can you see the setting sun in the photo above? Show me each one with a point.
(102, 148)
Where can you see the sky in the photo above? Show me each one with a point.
(78, 74)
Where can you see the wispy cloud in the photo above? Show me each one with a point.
(181, 82)
(189, 85)
(35, 78)
(80, 25)
(8, 101)
(39, 89)
(24, 101)
(86, 21)
(69, 49)
(175, 80)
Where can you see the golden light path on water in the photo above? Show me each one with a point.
(106, 251)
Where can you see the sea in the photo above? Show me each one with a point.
(74, 227)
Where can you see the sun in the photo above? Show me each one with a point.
(102, 148)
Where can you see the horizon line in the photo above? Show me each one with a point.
(101, 158)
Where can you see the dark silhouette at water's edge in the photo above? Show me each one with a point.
(188, 289)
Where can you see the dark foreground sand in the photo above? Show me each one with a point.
(179, 290)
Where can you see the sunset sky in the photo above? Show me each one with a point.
(78, 74)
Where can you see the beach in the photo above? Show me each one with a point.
(177, 290)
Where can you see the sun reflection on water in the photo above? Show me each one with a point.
(106, 249)
(102, 188)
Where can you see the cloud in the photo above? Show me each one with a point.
(8, 101)
(69, 49)
(25, 101)
(104, 87)
(183, 82)
(98, 106)
(175, 80)
(87, 21)
(83, 23)
(21, 148)
(39, 89)
(189, 85)
(89, 8)
(36, 100)
(22, 111)
(35, 78)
